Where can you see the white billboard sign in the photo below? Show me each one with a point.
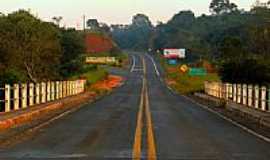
(175, 53)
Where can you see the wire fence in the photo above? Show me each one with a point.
(254, 96)
(20, 96)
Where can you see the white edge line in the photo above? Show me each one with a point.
(56, 118)
(230, 120)
(133, 63)
(153, 61)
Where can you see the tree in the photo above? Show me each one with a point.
(57, 20)
(219, 7)
(137, 36)
(31, 47)
(105, 28)
(141, 20)
(183, 19)
(73, 46)
(92, 24)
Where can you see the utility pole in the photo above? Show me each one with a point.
(84, 18)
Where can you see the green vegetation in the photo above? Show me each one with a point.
(32, 51)
(29, 48)
(186, 84)
(182, 82)
(91, 73)
(228, 36)
(135, 36)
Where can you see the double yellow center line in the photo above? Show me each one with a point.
(144, 108)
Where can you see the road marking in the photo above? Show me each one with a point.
(138, 70)
(133, 63)
(144, 107)
(151, 146)
(136, 155)
(230, 120)
(154, 63)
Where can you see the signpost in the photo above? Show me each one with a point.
(184, 68)
(197, 72)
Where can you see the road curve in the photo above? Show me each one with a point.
(106, 129)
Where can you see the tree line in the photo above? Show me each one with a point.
(237, 41)
(34, 50)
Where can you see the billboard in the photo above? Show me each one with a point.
(101, 60)
(174, 53)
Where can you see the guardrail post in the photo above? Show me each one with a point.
(81, 86)
(67, 88)
(77, 87)
(234, 93)
(31, 94)
(227, 91)
(43, 92)
(57, 89)
(205, 88)
(263, 98)
(7, 98)
(73, 88)
(37, 88)
(230, 91)
(250, 95)
(64, 89)
(70, 88)
(257, 96)
(24, 95)
(239, 95)
(16, 96)
(244, 89)
(61, 89)
(48, 91)
(268, 99)
(52, 91)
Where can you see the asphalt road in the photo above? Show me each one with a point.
(142, 119)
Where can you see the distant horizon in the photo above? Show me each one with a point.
(108, 11)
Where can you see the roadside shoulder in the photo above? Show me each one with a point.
(251, 123)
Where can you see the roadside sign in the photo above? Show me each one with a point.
(101, 60)
(197, 72)
(184, 68)
(172, 62)
(174, 53)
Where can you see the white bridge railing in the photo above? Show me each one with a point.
(20, 96)
(249, 95)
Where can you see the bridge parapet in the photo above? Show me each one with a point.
(254, 96)
(20, 96)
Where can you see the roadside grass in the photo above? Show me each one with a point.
(186, 84)
(182, 82)
(92, 74)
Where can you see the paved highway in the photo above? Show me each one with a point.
(141, 120)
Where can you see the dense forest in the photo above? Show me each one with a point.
(236, 40)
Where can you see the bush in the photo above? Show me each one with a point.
(246, 70)
(11, 76)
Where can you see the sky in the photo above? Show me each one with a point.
(110, 11)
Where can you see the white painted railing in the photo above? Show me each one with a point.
(20, 96)
(249, 95)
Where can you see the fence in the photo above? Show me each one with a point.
(20, 96)
(254, 96)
